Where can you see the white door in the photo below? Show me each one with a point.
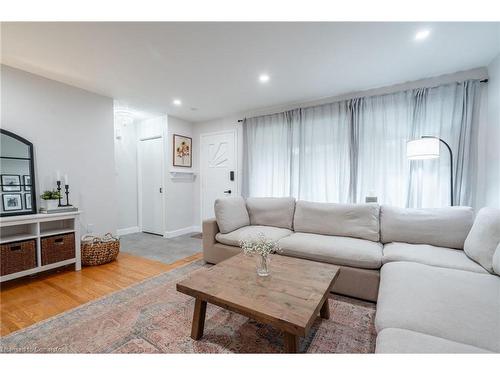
(150, 178)
(218, 169)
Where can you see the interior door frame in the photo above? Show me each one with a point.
(139, 181)
(234, 132)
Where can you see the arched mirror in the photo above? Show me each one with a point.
(17, 175)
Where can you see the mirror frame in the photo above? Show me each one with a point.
(32, 175)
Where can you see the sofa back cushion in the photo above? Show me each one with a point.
(273, 212)
(496, 260)
(484, 237)
(444, 227)
(349, 220)
(231, 213)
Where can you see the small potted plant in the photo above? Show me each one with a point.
(262, 247)
(50, 199)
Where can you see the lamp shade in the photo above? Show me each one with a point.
(423, 148)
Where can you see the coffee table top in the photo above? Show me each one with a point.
(289, 298)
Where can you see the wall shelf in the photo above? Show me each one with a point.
(182, 175)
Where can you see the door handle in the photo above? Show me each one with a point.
(161, 190)
(227, 192)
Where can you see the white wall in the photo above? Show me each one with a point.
(179, 192)
(489, 140)
(72, 131)
(126, 173)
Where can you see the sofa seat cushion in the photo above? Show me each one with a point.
(430, 255)
(452, 304)
(396, 340)
(252, 231)
(343, 251)
(446, 227)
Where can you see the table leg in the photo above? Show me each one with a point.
(200, 309)
(325, 310)
(291, 343)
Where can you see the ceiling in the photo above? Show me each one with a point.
(213, 68)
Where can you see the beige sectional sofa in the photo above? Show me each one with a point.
(433, 272)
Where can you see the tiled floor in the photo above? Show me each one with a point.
(160, 249)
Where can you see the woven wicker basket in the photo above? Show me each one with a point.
(96, 250)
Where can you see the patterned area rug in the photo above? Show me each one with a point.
(152, 317)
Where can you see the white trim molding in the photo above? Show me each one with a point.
(130, 230)
(182, 231)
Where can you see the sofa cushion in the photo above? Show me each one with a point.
(430, 255)
(445, 227)
(349, 220)
(231, 213)
(274, 212)
(395, 340)
(484, 237)
(233, 238)
(452, 304)
(496, 260)
(343, 251)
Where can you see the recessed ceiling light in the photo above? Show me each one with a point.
(177, 102)
(263, 78)
(422, 34)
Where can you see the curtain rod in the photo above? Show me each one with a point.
(482, 81)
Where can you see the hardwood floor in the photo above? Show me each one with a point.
(29, 300)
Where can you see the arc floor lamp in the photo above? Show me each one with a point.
(427, 147)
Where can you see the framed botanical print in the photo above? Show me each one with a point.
(12, 202)
(183, 156)
(11, 182)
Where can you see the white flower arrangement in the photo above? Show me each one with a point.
(260, 245)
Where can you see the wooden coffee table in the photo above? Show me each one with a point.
(289, 299)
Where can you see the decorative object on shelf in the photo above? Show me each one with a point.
(58, 183)
(11, 182)
(17, 174)
(182, 148)
(427, 147)
(371, 197)
(27, 201)
(12, 202)
(263, 248)
(17, 256)
(99, 250)
(27, 182)
(50, 200)
(57, 248)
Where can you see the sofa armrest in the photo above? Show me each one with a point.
(210, 229)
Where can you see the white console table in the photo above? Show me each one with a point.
(38, 226)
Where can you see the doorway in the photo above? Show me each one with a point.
(151, 190)
(218, 169)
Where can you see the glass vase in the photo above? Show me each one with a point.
(263, 265)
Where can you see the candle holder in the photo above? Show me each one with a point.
(66, 187)
(59, 192)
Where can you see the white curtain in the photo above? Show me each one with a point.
(384, 128)
(344, 151)
(267, 156)
(321, 154)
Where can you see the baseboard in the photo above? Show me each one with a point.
(182, 231)
(124, 231)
